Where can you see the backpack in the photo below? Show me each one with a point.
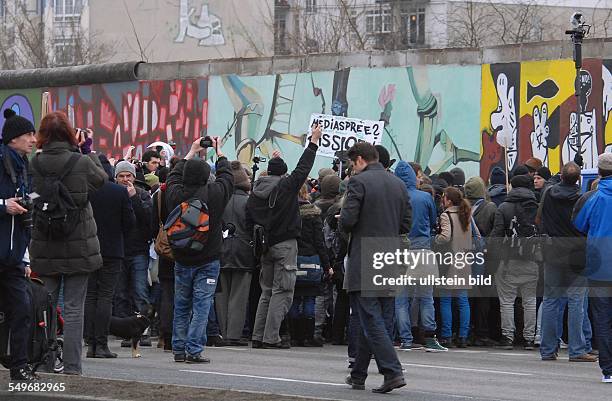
(162, 244)
(188, 226)
(261, 231)
(55, 213)
(522, 239)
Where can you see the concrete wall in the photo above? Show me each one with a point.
(441, 108)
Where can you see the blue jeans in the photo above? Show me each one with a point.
(561, 286)
(601, 306)
(302, 307)
(132, 292)
(194, 289)
(587, 330)
(446, 312)
(403, 302)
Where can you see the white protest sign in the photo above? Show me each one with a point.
(340, 133)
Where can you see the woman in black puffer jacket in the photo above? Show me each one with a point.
(311, 253)
(69, 259)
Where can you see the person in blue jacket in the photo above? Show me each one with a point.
(593, 217)
(15, 186)
(423, 224)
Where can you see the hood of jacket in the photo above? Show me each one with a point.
(264, 186)
(564, 191)
(406, 173)
(517, 195)
(309, 209)
(497, 190)
(605, 186)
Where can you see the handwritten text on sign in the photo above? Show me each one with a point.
(340, 133)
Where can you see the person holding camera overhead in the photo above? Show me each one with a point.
(194, 230)
(64, 246)
(273, 211)
(17, 142)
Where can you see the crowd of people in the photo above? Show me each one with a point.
(275, 261)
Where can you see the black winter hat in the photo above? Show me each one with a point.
(15, 126)
(196, 172)
(520, 170)
(498, 176)
(277, 166)
(458, 176)
(544, 172)
(384, 157)
(522, 181)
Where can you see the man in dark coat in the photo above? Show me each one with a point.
(132, 293)
(237, 262)
(376, 205)
(497, 189)
(114, 218)
(563, 266)
(17, 142)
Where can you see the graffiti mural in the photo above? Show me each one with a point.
(137, 113)
(206, 28)
(606, 72)
(533, 103)
(25, 103)
(256, 115)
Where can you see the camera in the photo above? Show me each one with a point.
(27, 202)
(576, 19)
(206, 142)
(258, 159)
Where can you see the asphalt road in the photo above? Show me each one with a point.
(472, 374)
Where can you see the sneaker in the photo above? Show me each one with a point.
(196, 359)
(410, 347)
(432, 345)
(179, 357)
(593, 352)
(537, 340)
(584, 358)
(562, 344)
(447, 342)
(462, 342)
(606, 379)
(505, 343)
(552, 357)
(529, 345)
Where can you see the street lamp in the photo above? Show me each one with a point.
(579, 30)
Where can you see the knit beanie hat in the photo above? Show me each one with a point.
(15, 126)
(520, 170)
(498, 176)
(475, 188)
(277, 166)
(522, 181)
(241, 179)
(125, 166)
(544, 172)
(458, 176)
(196, 172)
(448, 177)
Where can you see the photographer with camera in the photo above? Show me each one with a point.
(17, 142)
(194, 229)
(273, 208)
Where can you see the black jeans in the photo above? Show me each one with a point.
(341, 315)
(16, 302)
(99, 301)
(376, 318)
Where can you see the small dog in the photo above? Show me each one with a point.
(130, 328)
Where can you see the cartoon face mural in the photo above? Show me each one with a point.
(259, 114)
(547, 126)
(137, 113)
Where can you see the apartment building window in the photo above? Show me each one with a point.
(414, 27)
(280, 34)
(379, 20)
(64, 9)
(64, 52)
(311, 6)
(2, 7)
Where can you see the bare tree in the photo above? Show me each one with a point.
(469, 24)
(34, 41)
